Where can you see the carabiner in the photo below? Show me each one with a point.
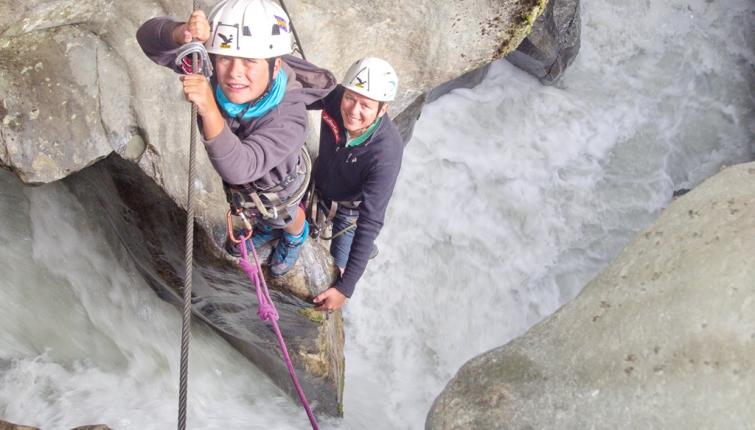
(229, 219)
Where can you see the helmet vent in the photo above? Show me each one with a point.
(247, 32)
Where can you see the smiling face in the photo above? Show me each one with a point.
(243, 79)
(359, 112)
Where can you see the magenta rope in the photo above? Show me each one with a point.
(267, 312)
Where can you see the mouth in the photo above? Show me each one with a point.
(236, 87)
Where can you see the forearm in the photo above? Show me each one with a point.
(155, 37)
(212, 123)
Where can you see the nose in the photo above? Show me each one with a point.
(236, 67)
(352, 109)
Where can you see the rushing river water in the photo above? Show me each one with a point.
(512, 196)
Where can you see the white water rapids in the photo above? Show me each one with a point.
(511, 197)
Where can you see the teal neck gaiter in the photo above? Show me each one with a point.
(261, 107)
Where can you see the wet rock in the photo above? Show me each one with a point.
(136, 212)
(76, 86)
(5, 425)
(663, 338)
(553, 43)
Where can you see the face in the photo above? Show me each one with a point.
(243, 79)
(359, 112)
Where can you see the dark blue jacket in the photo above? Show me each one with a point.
(365, 173)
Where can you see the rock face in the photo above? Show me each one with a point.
(5, 425)
(75, 86)
(664, 338)
(553, 43)
(138, 215)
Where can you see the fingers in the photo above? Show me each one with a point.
(197, 27)
(197, 90)
(330, 300)
(322, 302)
(193, 84)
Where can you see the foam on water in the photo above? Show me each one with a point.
(84, 340)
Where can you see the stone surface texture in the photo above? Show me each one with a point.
(663, 338)
(74, 85)
(553, 43)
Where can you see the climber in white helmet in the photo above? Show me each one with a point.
(356, 169)
(252, 113)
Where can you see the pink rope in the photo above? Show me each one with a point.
(267, 312)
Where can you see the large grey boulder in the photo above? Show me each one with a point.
(553, 43)
(75, 86)
(664, 338)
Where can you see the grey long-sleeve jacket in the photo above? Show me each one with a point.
(262, 150)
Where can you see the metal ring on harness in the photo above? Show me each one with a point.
(247, 224)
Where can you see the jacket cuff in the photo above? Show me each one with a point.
(346, 290)
(165, 34)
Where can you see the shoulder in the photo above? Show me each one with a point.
(389, 138)
(307, 82)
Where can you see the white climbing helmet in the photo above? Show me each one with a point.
(249, 29)
(373, 78)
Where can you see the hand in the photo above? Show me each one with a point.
(329, 300)
(196, 28)
(198, 91)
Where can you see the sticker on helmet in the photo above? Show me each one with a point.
(361, 81)
(226, 40)
(281, 23)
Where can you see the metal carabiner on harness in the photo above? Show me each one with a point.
(247, 224)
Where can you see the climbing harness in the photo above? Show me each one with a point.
(319, 220)
(251, 198)
(266, 310)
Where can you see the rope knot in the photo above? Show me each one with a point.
(248, 268)
(266, 312)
